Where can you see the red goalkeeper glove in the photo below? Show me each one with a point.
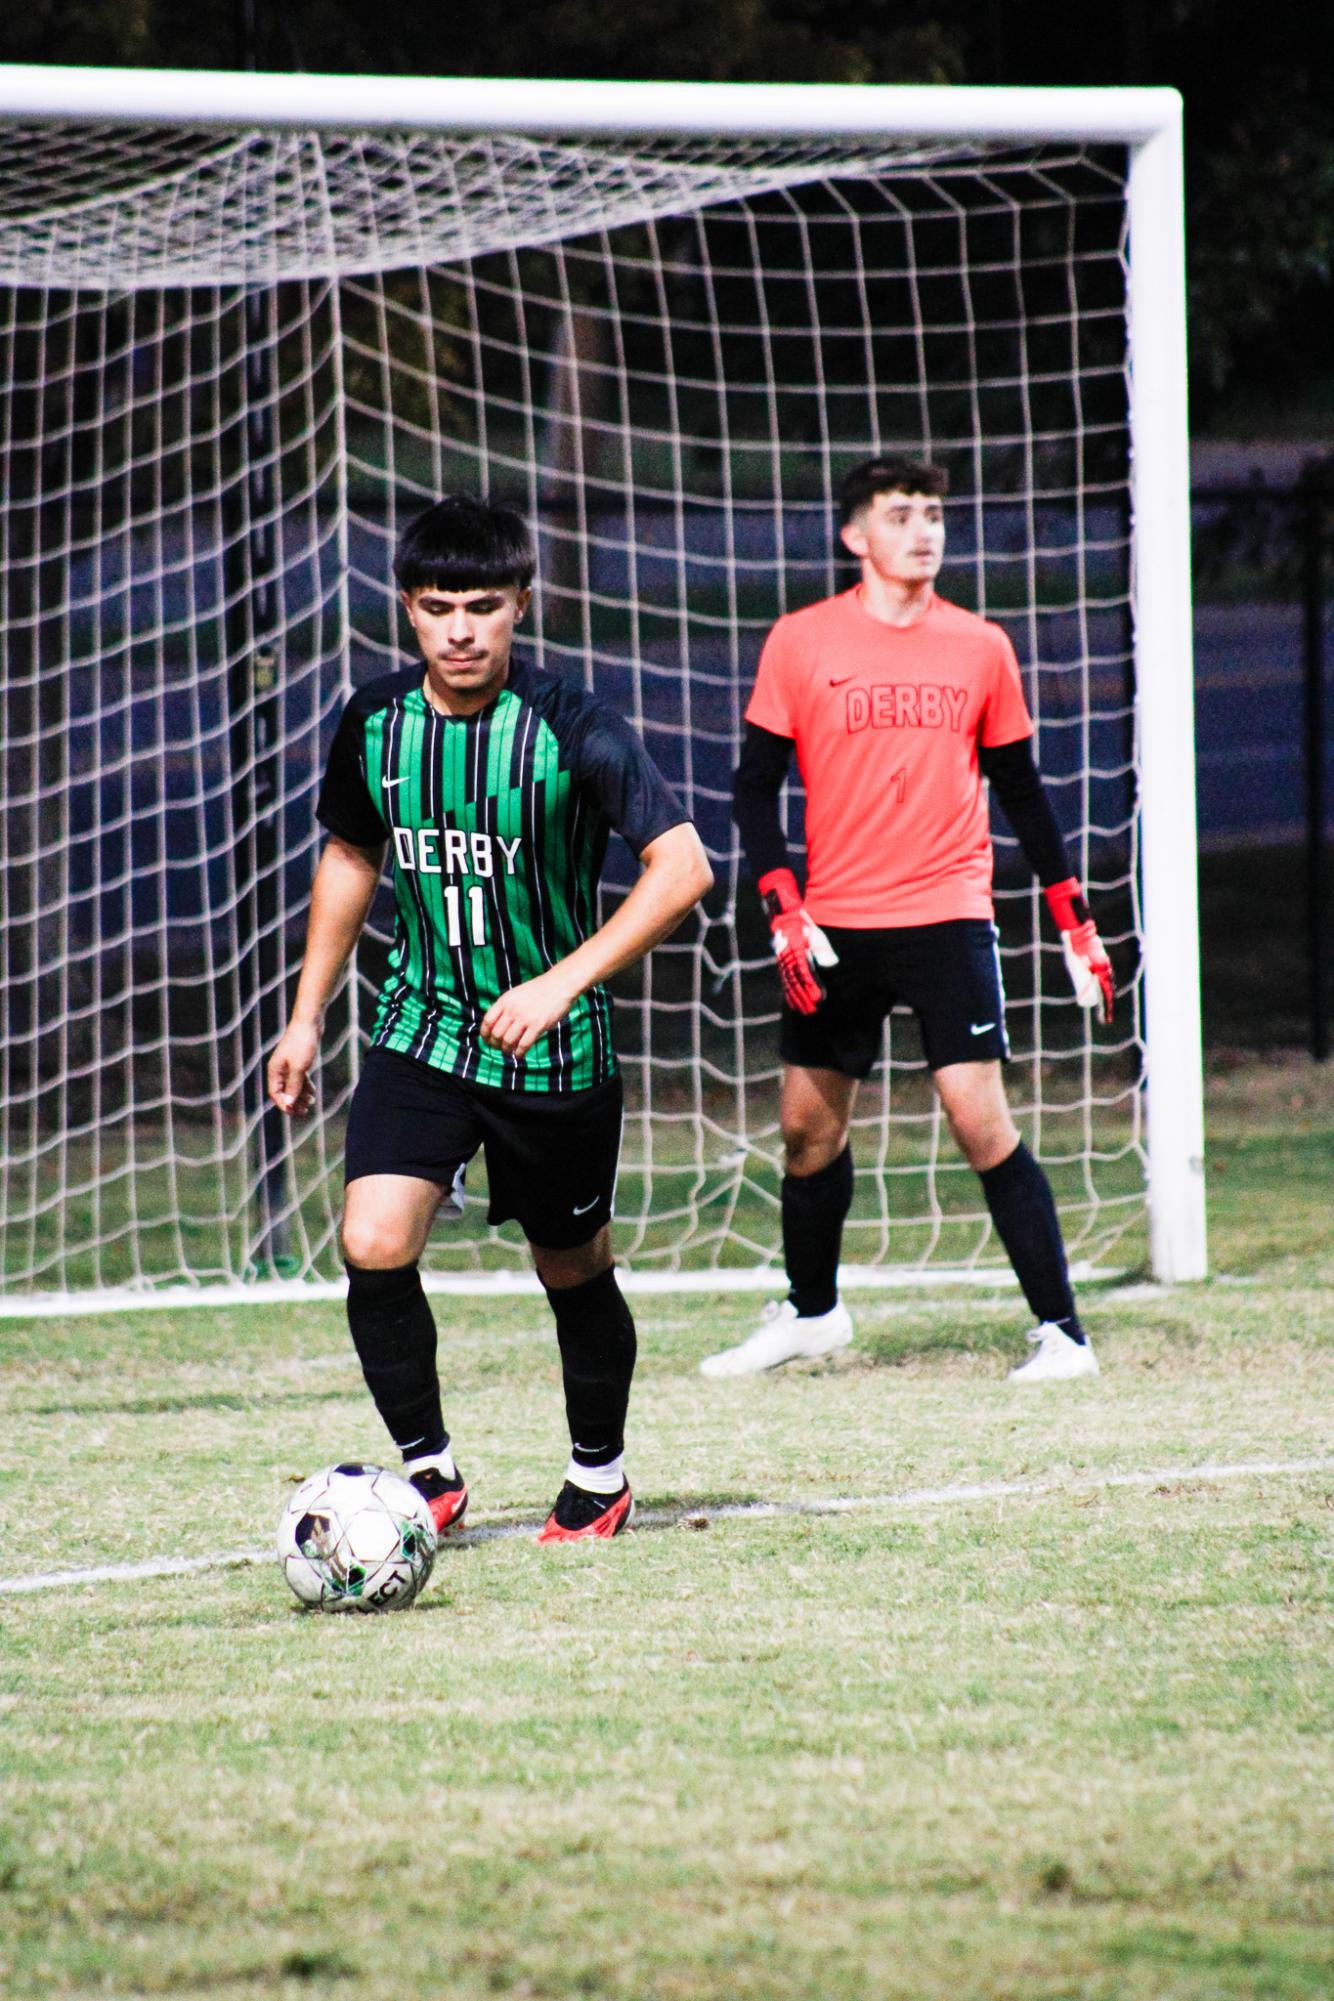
(1085, 954)
(799, 943)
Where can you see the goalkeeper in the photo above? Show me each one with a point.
(493, 785)
(898, 704)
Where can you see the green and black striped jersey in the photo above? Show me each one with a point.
(498, 825)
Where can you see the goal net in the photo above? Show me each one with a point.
(234, 362)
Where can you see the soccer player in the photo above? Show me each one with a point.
(898, 703)
(493, 787)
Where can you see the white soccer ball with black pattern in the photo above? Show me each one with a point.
(356, 1538)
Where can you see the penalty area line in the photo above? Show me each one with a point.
(962, 1493)
(131, 1573)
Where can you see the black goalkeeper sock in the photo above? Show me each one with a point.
(1022, 1208)
(815, 1207)
(393, 1331)
(596, 1332)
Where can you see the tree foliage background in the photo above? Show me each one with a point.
(1258, 93)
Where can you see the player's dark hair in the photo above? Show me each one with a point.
(463, 544)
(888, 475)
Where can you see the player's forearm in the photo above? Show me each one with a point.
(1017, 783)
(757, 786)
(675, 876)
(340, 901)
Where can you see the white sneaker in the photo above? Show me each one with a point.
(782, 1336)
(1058, 1358)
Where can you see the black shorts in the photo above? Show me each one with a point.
(551, 1157)
(948, 974)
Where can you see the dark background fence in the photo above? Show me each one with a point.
(1264, 567)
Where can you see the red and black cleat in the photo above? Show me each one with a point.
(447, 1499)
(578, 1516)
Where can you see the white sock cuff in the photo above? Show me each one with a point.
(440, 1462)
(607, 1479)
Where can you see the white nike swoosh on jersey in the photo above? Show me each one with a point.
(584, 1207)
(395, 781)
(980, 1027)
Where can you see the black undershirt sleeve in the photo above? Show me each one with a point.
(1017, 783)
(757, 785)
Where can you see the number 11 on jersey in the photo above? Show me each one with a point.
(476, 915)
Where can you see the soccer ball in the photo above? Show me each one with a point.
(356, 1539)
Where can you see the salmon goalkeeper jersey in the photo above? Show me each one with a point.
(886, 721)
(498, 825)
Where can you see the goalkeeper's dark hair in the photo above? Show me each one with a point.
(892, 474)
(464, 544)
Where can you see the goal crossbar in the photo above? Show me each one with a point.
(1113, 116)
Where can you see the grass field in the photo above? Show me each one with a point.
(993, 1694)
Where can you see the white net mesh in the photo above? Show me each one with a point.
(234, 365)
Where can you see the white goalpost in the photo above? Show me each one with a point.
(250, 324)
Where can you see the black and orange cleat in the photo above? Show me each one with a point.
(579, 1516)
(447, 1499)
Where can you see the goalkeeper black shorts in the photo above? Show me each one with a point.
(949, 975)
(551, 1157)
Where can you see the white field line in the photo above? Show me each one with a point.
(504, 1284)
(962, 1493)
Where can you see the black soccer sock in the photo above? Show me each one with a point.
(815, 1207)
(596, 1332)
(1022, 1208)
(393, 1332)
